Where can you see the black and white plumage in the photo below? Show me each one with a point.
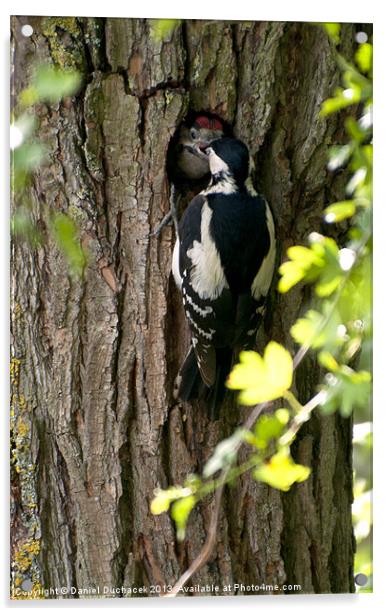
(223, 264)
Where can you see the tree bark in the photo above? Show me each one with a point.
(96, 429)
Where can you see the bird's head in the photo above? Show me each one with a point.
(229, 158)
(197, 136)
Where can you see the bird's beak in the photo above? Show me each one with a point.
(203, 149)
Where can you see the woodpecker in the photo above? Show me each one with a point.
(223, 264)
(187, 163)
(190, 162)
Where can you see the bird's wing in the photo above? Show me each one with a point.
(251, 305)
(249, 313)
(262, 281)
(208, 303)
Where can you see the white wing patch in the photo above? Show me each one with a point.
(176, 264)
(262, 280)
(206, 275)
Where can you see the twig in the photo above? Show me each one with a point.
(209, 544)
(207, 548)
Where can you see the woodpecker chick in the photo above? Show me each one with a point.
(187, 162)
(191, 159)
(223, 264)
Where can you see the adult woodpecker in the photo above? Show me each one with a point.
(187, 162)
(223, 264)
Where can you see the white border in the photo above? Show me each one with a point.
(277, 10)
(330, 10)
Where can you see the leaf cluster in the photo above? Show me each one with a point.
(49, 85)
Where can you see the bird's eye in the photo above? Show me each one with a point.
(194, 133)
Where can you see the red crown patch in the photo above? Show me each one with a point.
(210, 123)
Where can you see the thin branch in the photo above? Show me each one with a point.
(208, 546)
(302, 417)
(210, 541)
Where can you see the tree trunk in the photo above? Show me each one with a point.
(96, 427)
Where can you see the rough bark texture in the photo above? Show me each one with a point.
(94, 360)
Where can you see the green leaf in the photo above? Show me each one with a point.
(342, 99)
(356, 299)
(304, 263)
(25, 159)
(269, 427)
(338, 156)
(282, 415)
(356, 180)
(24, 126)
(305, 256)
(355, 130)
(329, 281)
(28, 156)
(328, 360)
(22, 225)
(364, 57)
(28, 97)
(333, 31)
(261, 379)
(347, 390)
(366, 120)
(320, 330)
(281, 472)
(162, 29)
(291, 274)
(193, 482)
(180, 513)
(320, 261)
(354, 80)
(224, 454)
(307, 330)
(163, 498)
(65, 233)
(330, 275)
(161, 502)
(52, 84)
(339, 211)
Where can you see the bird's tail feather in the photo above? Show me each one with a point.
(192, 387)
(217, 393)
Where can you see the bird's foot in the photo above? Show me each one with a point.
(166, 220)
